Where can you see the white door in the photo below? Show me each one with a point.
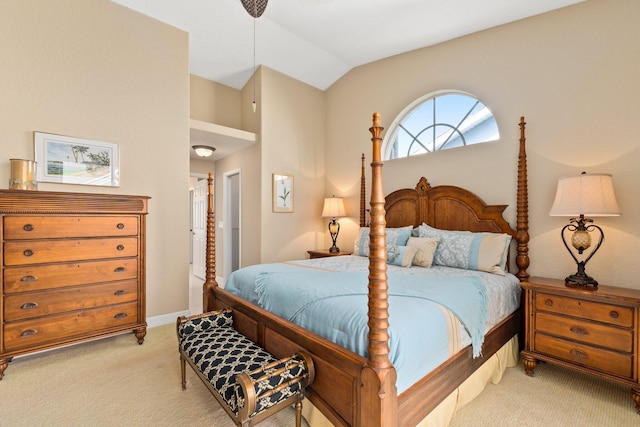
(199, 228)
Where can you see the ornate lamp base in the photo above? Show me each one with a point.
(580, 280)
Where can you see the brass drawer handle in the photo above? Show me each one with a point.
(578, 354)
(120, 247)
(29, 279)
(548, 302)
(29, 332)
(579, 330)
(28, 252)
(119, 270)
(119, 292)
(120, 226)
(614, 314)
(28, 227)
(120, 316)
(29, 305)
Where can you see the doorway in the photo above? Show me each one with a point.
(232, 230)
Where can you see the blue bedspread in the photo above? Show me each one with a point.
(334, 305)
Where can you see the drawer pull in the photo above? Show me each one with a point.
(29, 305)
(578, 330)
(120, 247)
(614, 314)
(28, 227)
(119, 292)
(578, 354)
(120, 316)
(29, 279)
(119, 270)
(28, 252)
(29, 332)
(120, 226)
(548, 302)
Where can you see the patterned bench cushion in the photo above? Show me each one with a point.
(220, 356)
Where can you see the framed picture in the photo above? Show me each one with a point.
(282, 193)
(69, 160)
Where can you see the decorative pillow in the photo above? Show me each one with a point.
(395, 236)
(426, 247)
(401, 255)
(471, 251)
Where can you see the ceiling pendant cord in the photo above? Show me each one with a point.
(253, 104)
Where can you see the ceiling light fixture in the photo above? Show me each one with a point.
(203, 150)
(255, 8)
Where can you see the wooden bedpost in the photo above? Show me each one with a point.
(363, 190)
(379, 392)
(522, 227)
(208, 300)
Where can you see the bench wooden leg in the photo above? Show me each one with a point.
(183, 373)
(298, 413)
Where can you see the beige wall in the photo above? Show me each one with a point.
(292, 133)
(92, 69)
(572, 73)
(215, 103)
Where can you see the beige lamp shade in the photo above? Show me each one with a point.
(587, 194)
(333, 207)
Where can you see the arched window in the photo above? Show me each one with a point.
(441, 121)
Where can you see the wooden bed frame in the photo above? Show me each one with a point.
(351, 390)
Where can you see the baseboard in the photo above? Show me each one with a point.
(165, 319)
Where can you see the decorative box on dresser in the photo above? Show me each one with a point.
(591, 330)
(73, 269)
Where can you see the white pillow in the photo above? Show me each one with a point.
(426, 250)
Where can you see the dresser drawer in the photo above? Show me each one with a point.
(39, 277)
(609, 361)
(43, 251)
(36, 304)
(30, 333)
(601, 312)
(585, 331)
(58, 226)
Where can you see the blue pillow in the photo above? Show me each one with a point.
(401, 256)
(395, 236)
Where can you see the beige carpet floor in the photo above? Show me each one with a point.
(115, 382)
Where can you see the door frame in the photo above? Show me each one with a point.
(227, 220)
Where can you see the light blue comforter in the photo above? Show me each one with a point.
(334, 305)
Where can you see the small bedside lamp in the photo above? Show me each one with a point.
(579, 196)
(333, 208)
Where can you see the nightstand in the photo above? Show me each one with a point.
(591, 330)
(322, 253)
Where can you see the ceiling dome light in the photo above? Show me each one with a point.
(203, 150)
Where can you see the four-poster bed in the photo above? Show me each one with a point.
(351, 389)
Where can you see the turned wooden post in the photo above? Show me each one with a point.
(522, 205)
(379, 392)
(208, 298)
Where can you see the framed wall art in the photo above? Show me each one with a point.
(282, 193)
(69, 160)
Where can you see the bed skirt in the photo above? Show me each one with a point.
(490, 372)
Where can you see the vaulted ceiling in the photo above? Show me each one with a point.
(318, 41)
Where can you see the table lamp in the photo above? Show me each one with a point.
(333, 208)
(582, 197)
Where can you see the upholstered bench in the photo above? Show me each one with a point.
(250, 383)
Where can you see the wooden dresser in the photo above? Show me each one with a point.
(73, 269)
(594, 331)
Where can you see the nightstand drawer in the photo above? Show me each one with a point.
(608, 313)
(583, 330)
(604, 360)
